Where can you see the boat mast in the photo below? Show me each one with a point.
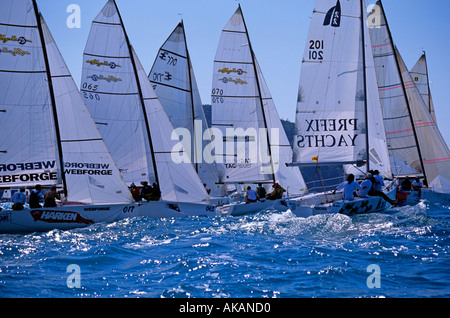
(404, 90)
(365, 84)
(52, 96)
(141, 98)
(259, 93)
(191, 95)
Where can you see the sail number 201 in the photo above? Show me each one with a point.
(316, 50)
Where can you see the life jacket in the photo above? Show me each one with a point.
(34, 199)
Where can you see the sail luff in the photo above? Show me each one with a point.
(52, 97)
(258, 85)
(144, 113)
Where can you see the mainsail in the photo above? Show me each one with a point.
(419, 73)
(241, 101)
(435, 153)
(338, 92)
(46, 127)
(173, 80)
(400, 133)
(129, 114)
(422, 147)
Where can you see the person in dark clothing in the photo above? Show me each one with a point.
(36, 197)
(406, 184)
(146, 191)
(156, 193)
(261, 191)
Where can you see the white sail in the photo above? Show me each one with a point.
(129, 114)
(241, 99)
(289, 177)
(400, 133)
(419, 73)
(330, 118)
(90, 173)
(434, 150)
(173, 80)
(28, 152)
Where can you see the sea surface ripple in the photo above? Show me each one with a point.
(269, 254)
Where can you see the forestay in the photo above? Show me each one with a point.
(129, 114)
(91, 175)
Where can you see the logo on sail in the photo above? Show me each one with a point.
(239, 71)
(233, 80)
(333, 16)
(15, 52)
(21, 39)
(109, 78)
(105, 63)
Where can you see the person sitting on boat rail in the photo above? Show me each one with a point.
(277, 192)
(261, 192)
(251, 195)
(406, 184)
(36, 197)
(417, 186)
(378, 187)
(50, 197)
(18, 199)
(366, 186)
(349, 186)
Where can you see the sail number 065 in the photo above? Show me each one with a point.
(315, 50)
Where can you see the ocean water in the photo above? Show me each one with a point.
(403, 252)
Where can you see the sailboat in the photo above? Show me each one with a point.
(133, 123)
(337, 94)
(423, 150)
(48, 135)
(244, 114)
(173, 79)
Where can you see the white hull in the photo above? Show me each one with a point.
(243, 208)
(75, 216)
(314, 204)
(63, 217)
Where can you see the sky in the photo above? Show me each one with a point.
(277, 28)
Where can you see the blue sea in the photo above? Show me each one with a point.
(400, 253)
